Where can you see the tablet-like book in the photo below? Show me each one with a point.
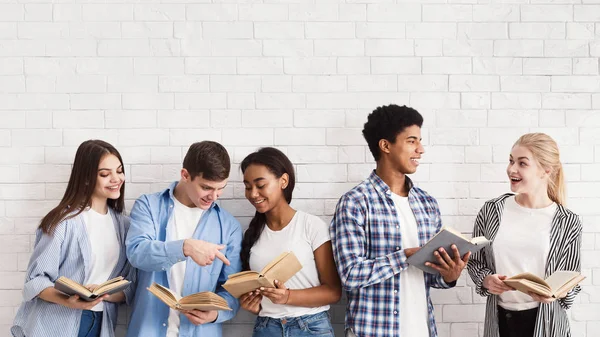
(204, 301)
(556, 285)
(70, 287)
(282, 268)
(445, 238)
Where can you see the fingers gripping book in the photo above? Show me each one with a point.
(70, 287)
(282, 268)
(445, 238)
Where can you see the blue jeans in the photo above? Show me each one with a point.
(91, 323)
(303, 326)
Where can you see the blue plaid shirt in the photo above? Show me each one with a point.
(367, 247)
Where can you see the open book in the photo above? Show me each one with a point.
(70, 287)
(282, 268)
(204, 301)
(445, 238)
(556, 285)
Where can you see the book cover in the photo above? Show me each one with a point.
(445, 238)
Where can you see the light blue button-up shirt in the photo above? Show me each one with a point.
(67, 252)
(148, 251)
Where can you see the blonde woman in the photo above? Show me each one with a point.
(532, 231)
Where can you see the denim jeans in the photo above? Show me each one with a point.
(303, 326)
(91, 323)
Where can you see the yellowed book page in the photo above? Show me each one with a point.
(108, 287)
(526, 286)
(531, 277)
(454, 231)
(275, 261)
(203, 301)
(561, 290)
(242, 287)
(284, 269)
(74, 285)
(203, 307)
(243, 274)
(164, 294)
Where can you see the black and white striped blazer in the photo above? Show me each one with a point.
(564, 254)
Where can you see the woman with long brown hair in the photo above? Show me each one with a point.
(83, 239)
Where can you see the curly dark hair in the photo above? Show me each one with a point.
(386, 122)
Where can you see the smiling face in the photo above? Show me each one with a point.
(200, 192)
(405, 153)
(525, 173)
(110, 178)
(263, 189)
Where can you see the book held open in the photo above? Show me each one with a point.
(204, 301)
(70, 287)
(556, 285)
(445, 238)
(282, 268)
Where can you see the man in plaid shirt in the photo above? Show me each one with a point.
(381, 222)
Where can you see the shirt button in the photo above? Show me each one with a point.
(171, 206)
(164, 324)
(395, 312)
(395, 291)
(397, 248)
(397, 227)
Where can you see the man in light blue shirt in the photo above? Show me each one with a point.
(181, 239)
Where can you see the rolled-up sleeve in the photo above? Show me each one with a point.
(44, 263)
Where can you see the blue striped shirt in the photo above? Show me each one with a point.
(368, 252)
(66, 253)
(149, 251)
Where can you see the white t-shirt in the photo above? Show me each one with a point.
(413, 298)
(181, 226)
(303, 235)
(105, 247)
(522, 245)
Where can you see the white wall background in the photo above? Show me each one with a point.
(151, 77)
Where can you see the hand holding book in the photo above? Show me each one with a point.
(202, 301)
(445, 238)
(70, 287)
(555, 286)
(282, 268)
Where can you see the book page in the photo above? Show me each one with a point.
(274, 262)
(530, 277)
(112, 287)
(479, 240)
(203, 301)
(453, 231)
(560, 279)
(63, 282)
(166, 292)
(110, 284)
(285, 267)
(249, 274)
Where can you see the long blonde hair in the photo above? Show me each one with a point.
(545, 152)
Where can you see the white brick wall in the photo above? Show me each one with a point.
(151, 78)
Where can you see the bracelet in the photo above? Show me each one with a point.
(288, 296)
